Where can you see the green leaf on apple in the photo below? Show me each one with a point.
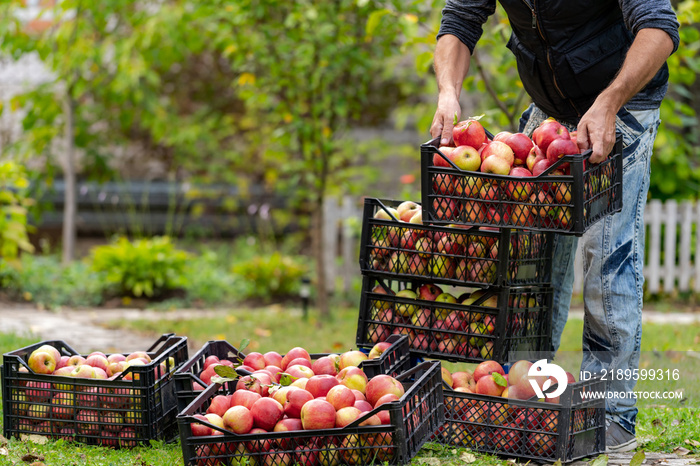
(286, 379)
(244, 344)
(226, 372)
(456, 119)
(499, 379)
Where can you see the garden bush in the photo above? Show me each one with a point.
(144, 267)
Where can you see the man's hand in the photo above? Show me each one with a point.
(443, 121)
(451, 65)
(596, 130)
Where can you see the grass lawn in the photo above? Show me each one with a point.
(663, 425)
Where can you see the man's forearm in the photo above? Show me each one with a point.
(451, 63)
(649, 51)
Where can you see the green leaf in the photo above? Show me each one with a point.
(373, 21)
(286, 379)
(499, 379)
(602, 460)
(226, 372)
(244, 344)
(638, 459)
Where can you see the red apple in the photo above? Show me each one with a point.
(266, 413)
(466, 158)
(238, 419)
(548, 131)
(346, 415)
(428, 292)
(381, 385)
(325, 365)
(292, 354)
(487, 368)
(559, 148)
(319, 385)
(521, 145)
(353, 377)
(318, 414)
(351, 358)
(296, 399)
(255, 360)
(469, 133)
(407, 209)
(340, 397)
(244, 398)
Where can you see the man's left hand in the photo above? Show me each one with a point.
(596, 130)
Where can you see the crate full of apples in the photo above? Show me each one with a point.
(386, 357)
(493, 412)
(514, 181)
(457, 323)
(117, 400)
(396, 243)
(323, 419)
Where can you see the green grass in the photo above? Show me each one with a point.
(272, 328)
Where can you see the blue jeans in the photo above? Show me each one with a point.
(613, 257)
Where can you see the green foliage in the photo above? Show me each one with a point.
(43, 280)
(142, 267)
(272, 276)
(676, 163)
(13, 212)
(210, 282)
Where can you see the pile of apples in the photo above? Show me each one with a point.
(326, 393)
(531, 428)
(512, 154)
(65, 410)
(460, 255)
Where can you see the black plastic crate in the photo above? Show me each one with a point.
(114, 412)
(504, 322)
(393, 361)
(413, 420)
(469, 255)
(563, 203)
(537, 431)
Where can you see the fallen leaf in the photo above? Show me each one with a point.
(467, 457)
(3, 451)
(557, 463)
(430, 461)
(675, 422)
(680, 451)
(657, 423)
(262, 332)
(694, 443)
(638, 458)
(40, 439)
(602, 460)
(3, 441)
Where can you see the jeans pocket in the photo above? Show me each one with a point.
(633, 125)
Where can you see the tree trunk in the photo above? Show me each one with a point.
(70, 203)
(317, 238)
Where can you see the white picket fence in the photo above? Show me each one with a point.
(671, 263)
(672, 259)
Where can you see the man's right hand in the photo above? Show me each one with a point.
(443, 121)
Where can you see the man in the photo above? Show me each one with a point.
(598, 66)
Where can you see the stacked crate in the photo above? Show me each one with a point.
(490, 238)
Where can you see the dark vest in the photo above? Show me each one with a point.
(568, 51)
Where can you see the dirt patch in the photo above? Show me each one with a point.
(85, 330)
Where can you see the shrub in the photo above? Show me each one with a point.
(143, 267)
(271, 276)
(13, 211)
(210, 282)
(43, 280)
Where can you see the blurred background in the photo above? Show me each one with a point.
(207, 153)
